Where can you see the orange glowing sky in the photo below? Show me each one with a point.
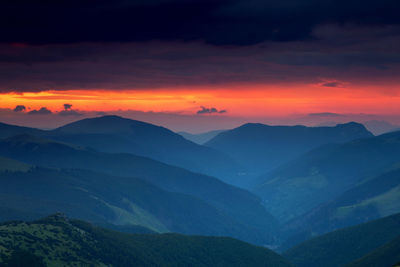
(251, 100)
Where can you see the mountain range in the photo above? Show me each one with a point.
(115, 134)
(133, 174)
(325, 173)
(261, 148)
(302, 190)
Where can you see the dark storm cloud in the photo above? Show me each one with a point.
(41, 111)
(211, 110)
(19, 108)
(221, 22)
(346, 54)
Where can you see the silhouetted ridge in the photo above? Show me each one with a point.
(7, 130)
(116, 134)
(110, 124)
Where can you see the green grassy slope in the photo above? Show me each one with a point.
(371, 199)
(102, 198)
(345, 245)
(58, 241)
(325, 173)
(239, 204)
(10, 165)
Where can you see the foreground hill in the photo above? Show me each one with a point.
(323, 174)
(58, 241)
(346, 245)
(387, 255)
(125, 201)
(116, 134)
(262, 147)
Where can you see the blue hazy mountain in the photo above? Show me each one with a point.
(349, 244)
(120, 135)
(261, 147)
(200, 138)
(7, 130)
(379, 127)
(240, 205)
(59, 241)
(323, 174)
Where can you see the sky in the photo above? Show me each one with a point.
(200, 65)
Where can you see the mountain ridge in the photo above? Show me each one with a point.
(261, 148)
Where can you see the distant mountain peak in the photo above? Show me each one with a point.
(351, 124)
(106, 124)
(260, 147)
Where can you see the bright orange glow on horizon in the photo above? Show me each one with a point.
(255, 100)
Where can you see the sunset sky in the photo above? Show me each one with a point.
(200, 65)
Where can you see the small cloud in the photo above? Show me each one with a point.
(68, 111)
(211, 110)
(67, 106)
(325, 114)
(41, 111)
(101, 113)
(19, 108)
(332, 84)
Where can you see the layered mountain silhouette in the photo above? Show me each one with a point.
(235, 204)
(305, 183)
(323, 174)
(120, 135)
(261, 147)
